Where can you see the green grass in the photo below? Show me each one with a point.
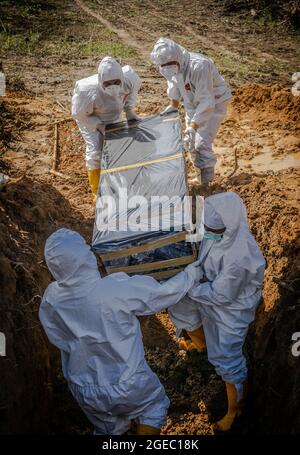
(20, 43)
(32, 43)
(34, 28)
(87, 48)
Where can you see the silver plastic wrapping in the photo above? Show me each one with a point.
(142, 195)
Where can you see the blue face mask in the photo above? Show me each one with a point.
(208, 235)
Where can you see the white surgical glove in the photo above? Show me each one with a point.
(195, 271)
(131, 115)
(189, 138)
(168, 109)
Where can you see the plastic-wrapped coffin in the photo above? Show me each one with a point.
(143, 213)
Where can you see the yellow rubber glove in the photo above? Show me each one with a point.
(94, 176)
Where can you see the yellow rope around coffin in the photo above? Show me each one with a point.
(178, 237)
(152, 266)
(142, 163)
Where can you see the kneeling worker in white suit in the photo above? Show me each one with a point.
(221, 306)
(195, 79)
(99, 100)
(93, 321)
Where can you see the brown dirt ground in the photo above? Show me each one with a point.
(262, 124)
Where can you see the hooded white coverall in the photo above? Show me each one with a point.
(92, 108)
(204, 92)
(93, 321)
(225, 304)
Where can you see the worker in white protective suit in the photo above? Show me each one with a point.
(195, 79)
(99, 100)
(93, 321)
(218, 310)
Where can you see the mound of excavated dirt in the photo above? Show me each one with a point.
(270, 102)
(262, 130)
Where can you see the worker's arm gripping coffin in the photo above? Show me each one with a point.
(142, 213)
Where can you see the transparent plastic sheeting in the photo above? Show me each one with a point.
(142, 193)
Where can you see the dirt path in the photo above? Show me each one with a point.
(122, 34)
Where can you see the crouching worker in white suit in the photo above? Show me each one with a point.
(195, 79)
(99, 100)
(221, 306)
(93, 321)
